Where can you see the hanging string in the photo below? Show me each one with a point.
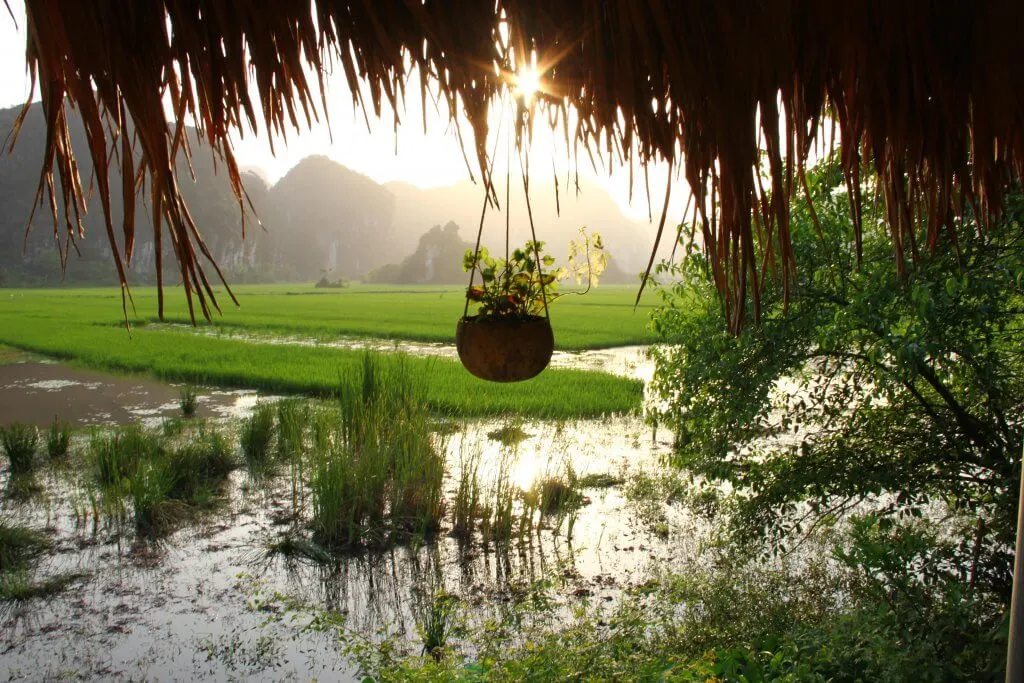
(533, 233)
(508, 203)
(488, 188)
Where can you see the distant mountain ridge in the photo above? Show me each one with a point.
(320, 218)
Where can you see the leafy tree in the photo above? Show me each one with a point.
(904, 397)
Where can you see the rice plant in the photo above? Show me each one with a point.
(197, 468)
(257, 437)
(19, 545)
(435, 626)
(380, 472)
(148, 490)
(188, 400)
(467, 496)
(58, 439)
(292, 418)
(19, 444)
(117, 455)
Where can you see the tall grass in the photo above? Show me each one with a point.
(467, 496)
(257, 438)
(381, 472)
(19, 444)
(19, 545)
(188, 400)
(436, 622)
(116, 456)
(58, 439)
(498, 520)
(162, 481)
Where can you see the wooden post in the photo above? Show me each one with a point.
(1015, 644)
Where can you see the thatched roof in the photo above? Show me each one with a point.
(928, 92)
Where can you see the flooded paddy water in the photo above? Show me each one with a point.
(211, 600)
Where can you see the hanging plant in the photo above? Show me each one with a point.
(508, 337)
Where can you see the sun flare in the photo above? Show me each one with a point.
(528, 83)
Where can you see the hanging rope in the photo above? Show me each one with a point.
(533, 233)
(488, 188)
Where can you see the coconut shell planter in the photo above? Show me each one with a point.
(506, 349)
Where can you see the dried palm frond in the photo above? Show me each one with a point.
(925, 91)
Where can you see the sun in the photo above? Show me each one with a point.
(527, 83)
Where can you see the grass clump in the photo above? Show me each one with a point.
(188, 400)
(297, 547)
(58, 439)
(199, 466)
(163, 484)
(116, 456)
(19, 586)
(170, 486)
(600, 480)
(437, 622)
(19, 545)
(257, 438)
(292, 417)
(19, 444)
(467, 497)
(380, 473)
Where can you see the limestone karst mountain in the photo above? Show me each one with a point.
(319, 219)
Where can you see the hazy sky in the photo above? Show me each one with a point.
(423, 159)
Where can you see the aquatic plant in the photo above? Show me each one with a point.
(257, 437)
(148, 490)
(19, 544)
(188, 400)
(197, 467)
(293, 546)
(497, 516)
(19, 444)
(467, 496)
(381, 471)
(561, 497)
(116, 455)
(19, 586)
(292, 418)
(436, 625)
(58, 439)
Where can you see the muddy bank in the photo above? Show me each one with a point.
(35, 392)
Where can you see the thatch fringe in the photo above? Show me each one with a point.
(927, 92)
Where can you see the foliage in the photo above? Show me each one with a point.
(857, 607)
(863, 390)
(518, 287)
(19, 444)
(18, 545)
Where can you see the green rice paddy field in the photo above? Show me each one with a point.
(85, 327)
